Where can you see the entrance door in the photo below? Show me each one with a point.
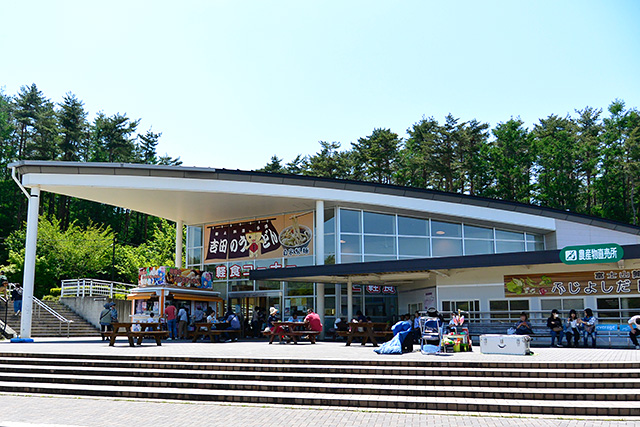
(245, 306)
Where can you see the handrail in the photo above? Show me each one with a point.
(86, 287)
(55, 314)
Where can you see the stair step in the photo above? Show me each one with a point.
(437, 402)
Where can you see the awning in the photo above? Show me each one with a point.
(195, 297)
(395, 272)
(140, 296)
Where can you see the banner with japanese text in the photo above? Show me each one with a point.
(285, 236)
(598, 283)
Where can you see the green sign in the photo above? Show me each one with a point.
(591, 254)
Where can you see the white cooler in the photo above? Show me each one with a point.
(505, 344)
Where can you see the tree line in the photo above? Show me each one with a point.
(587, 162)
(33, 127)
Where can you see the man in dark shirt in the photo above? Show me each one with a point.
(16, 296)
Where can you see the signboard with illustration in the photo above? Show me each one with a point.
(286, 236)
(171, 276)
(581, 283)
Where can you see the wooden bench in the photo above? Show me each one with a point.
(124, 330)
(292, 330)
(368, 331)
(211, 330)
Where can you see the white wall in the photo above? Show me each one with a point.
(572, 233)
(89, 308)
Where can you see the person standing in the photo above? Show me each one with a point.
(573, 334)
(170, 312)
(16, 296)
(105, 320)
(183, 320)
(634, 324)
(256, 323)
(555, 325)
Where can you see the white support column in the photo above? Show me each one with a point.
(178, 259)
(338, 300)
(349, 300)
(29, 263)
(320, 257)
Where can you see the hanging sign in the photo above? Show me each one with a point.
(580, 283)
(591, 254)
(285, 236)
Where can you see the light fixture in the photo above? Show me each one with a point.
(343, 241)
(440, 232)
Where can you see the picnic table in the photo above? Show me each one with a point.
(212, 329)
(368, 331)
(124, 330)
(293, 330)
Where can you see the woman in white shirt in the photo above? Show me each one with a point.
(573, 334)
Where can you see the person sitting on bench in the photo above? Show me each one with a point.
(312, 321)
(523, 327)
(634, 324)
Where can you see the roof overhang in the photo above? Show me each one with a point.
(391, 272)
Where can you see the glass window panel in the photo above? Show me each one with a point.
(413, 246)
(445, 229)
(607, 304)
(330, 306)
(379, 245)
(502, 247)
(268, 285)
(447, 247)
(194, 238)
(473, 232)
(330, 243)
(549, 304)
(329, 221)
(349, 221)
(241, 285)
(351, 258)
(477, 247)
(300, 261)
(295, 289)
(194, 256)
(499, 305)
(519, 305)
(329, 289)
(268, 263)
(509, 235)
(375, 223)
(412, 226)
(573, 303)
(350, 244)
(535, 238)
(371, 258)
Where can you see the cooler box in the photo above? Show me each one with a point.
(505, 344)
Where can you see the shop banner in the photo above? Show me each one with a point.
(581, 283)
(171, 276)
(282, 236)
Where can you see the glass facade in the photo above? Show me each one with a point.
(352, 235)
(370, 236)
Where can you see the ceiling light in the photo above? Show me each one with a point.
(440, 232)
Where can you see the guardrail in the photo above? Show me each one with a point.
(94, 288)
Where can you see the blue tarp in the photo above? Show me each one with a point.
(394, 346)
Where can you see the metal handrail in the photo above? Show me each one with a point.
(86, 287)
(54, 313)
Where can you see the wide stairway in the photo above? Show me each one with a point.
(44, 324)
(564, 389)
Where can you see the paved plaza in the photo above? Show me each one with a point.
(322, 350)
(23, 411)
(41, 410)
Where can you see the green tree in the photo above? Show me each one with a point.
(329, 162)
(589, 140)
(511, 160)
(73, 128)
(114, 138)
(558, 168)
(416, 159)
(378, 155)
(274, 166)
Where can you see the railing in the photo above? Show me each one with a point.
(39, 305)
(94, 288)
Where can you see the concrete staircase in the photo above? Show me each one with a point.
(45, 324)
(608, 389)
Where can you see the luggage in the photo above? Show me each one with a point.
(505, 344)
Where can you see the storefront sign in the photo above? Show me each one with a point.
(591, 254)
(603, 282)
(282, 236)
(171, 276)
(381, 289)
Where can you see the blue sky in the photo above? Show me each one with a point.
(229, 83)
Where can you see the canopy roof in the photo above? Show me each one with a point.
(201, 195)
(391, 272)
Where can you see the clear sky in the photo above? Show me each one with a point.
(229, 83)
